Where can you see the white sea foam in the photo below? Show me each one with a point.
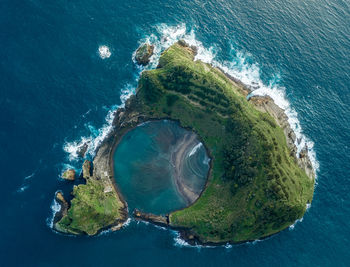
(206, 160)
(141, 221)
(240, 68)
(291, 227)
(195, 149)
(228, 246)
(55, 207)
(97, 135)
(29, 176)
(105, 232)
(25, 184)
(66, 166)
(249, 74)
(104, 51)
(166, 36)
(127, 222)
(179, 242)
(295, 223)
(22, 188)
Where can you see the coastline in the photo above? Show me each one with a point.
(137, 119)
(132, 115)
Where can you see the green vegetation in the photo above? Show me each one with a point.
(91, 209)
(255, 188)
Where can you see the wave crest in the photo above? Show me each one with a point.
(239, 67)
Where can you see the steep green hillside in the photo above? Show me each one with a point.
(255, 188)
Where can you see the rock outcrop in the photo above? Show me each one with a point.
(69, 175)
(149, 217)
(86, 169)
(266, 104)
(144, 53)
(83, 149)
(63, 209)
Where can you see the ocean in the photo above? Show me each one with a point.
(66, 65)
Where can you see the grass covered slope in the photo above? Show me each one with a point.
(95, 206)
(91, 210)
(255, 187)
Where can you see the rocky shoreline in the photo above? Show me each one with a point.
(126, 119)
(130, 116)
(267, 104)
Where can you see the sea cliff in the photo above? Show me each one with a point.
(258, 184)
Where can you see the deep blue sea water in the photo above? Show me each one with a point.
(55, 89)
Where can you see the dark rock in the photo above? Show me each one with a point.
(143, 54)
(149, 217)
(87, 169)
(194, 49)
(182, 43)
(63, 210)
(82, 149)
(266, 104)
(69, 175)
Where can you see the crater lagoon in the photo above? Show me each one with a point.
(160, 167)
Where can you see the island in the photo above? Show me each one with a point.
(257, 185)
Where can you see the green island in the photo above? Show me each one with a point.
(257, 185)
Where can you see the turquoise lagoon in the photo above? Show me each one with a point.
(160, 167)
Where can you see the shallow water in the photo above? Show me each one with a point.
(145, 167)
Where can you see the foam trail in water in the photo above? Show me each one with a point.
(55, 207)
(195, 149)
(29, 176)
(25, 184)
(22, 188)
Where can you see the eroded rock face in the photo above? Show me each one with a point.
(149, 217)
(266, 104)
(193, 49)
(144, 53)
(83, 149)
(69, 175)
(60, 198)
(87, 169)
(63, 210)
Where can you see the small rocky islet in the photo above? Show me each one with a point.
(144, 53)
(257, 185)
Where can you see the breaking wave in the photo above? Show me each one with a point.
(55, 207)
(97, 135)
(238, 67)
(195, 149)
(104, 52)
